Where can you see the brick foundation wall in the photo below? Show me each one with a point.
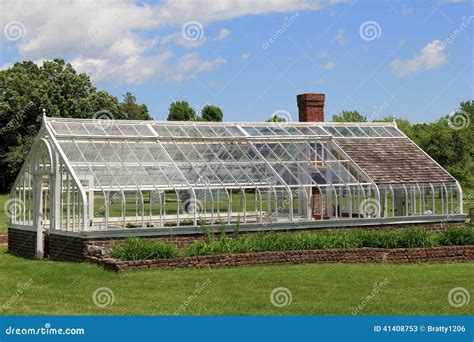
(67, 248)
(3, 238)
(353, 255)
(22, 242)
(75, 248)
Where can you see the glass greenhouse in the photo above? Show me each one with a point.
(105, 175)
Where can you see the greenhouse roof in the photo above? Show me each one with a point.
(112, 154)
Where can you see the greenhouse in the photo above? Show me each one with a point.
(85, 175)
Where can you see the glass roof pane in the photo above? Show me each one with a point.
(394, 131)
(356, 131)
(369, 131)
(77, 128)
(206, 131)
(252, 131)
(333, 131)
(319, 131)
(162, 131)
(344, 131)
(60, 128)
(382, 131)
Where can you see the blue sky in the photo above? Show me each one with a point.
(408, 59)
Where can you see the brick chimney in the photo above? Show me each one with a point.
(311, 107)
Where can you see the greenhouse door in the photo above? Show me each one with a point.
(42, 211)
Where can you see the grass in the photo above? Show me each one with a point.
(62, 288)
(3, 214)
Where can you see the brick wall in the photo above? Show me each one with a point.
(354, 255)
(67, 248)
(22, 242)
(75, 248)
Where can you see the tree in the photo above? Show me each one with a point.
(211, 113)
(26, 89)
(133, 110)
(349, 116)
(276, 118)
(181, 111)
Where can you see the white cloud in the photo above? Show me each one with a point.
(124, 35)
(329, 65)
(318, 82)
(340, 38)
(223, 34)
(432, 56)
(245, 55)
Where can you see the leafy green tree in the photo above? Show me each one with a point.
(133, 110)
(211, 113)
(26, 89)
(181, 111)
(349, 116)
(276, 118)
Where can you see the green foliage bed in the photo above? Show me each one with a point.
(138, 249)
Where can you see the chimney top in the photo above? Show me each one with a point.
(311, 107)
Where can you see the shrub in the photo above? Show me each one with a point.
(457, 236)
(139, 249)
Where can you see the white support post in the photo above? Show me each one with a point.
(38, 221)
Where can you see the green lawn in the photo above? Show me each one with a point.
(67, 288)
(3, 214)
